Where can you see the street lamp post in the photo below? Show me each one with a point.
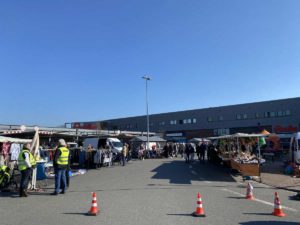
(147, 78)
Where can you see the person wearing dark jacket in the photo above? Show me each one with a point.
(61, 164)
(202, 151)
(188, 151)
(198, 149)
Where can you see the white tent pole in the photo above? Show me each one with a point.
(259, 160)
(35, 151)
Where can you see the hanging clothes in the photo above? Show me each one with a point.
(97, 157)
(5, 149)
(14, 151)
(1, 156)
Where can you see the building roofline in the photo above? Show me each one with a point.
(189, 110)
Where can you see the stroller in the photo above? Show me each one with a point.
(6, 179)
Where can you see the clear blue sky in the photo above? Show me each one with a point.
(78, 60)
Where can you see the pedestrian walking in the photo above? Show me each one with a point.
(202, 151)
(170, 150)
(61, 164)
(166, 150)
(198, 149)
(187, 153)
(210, 152)
(181, 150)
(193, 151)
(26, 163)
(141, 152)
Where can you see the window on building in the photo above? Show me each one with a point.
(256, 115)
(189, 120)
(279, 113)
(287, 112)
(220, 118)
(151, 124)
(194, 121)
(245, 116)
(267, 114)
(272, 114)
(224, 131)
(209, 119)
(162, 123)
(173, 122)
(180, 121)
(238, 116)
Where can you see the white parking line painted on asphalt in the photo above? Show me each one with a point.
(259, 200)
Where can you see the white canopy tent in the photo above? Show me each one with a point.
(237, 135)
(35, 143)
(240, 135)
(14, 140)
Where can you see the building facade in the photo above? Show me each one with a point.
(278, 116)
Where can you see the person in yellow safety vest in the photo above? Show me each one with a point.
(61, 164)
(26, 163)
(4, 176)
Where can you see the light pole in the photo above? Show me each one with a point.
(147, 78)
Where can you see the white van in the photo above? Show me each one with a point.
(295, 148)
(114, 143)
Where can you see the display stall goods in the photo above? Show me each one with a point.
(10, 149)
(241, 151)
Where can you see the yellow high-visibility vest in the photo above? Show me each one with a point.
(64, 156)
(21, 161)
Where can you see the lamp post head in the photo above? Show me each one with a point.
(146, 77)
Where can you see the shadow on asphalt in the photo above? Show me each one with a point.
(41, 193)
(236, 197)
(269, 223)
(9, 194)
(179, 172)
(80, 214)
(16, 194)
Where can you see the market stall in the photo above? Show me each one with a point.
(241, 152)
(155, 143)
(9, 153)
(199, 140)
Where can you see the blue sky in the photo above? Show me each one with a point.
(77, 60)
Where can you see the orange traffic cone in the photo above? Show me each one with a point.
(249, 194)
(94, 209)
(199, 210)
(277, 207)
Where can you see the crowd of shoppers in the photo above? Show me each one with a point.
(203, 150)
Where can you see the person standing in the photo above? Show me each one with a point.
(187, 153)
(26, 163)
(198, 148)
(61, 164)
(202, 151)
(166, 150)
(210, 150)
(124, 154)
